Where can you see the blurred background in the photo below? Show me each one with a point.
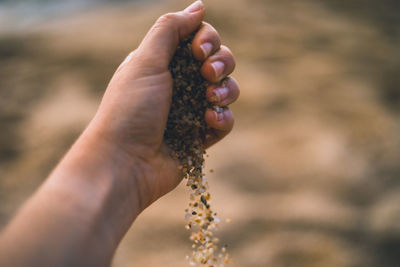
(310, 174)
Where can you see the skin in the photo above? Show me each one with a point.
(119, 165)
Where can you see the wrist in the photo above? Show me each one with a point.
(104, 185)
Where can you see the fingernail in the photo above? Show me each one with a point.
(218, 67)
(206, 48)
(196, 6)
(219, 113)
(219, 94)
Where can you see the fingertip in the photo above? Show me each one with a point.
(196, 13)
(224, 93)
(195, 7)
(206, 49)
(220, 118)
(216, 94)
(220, 127)
(219, 65)
(206, 42)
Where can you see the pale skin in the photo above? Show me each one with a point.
(120, 165)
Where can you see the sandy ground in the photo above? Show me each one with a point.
(310, 174)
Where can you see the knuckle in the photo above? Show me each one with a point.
(210, 28)
(236, 93)
(226, 51)
(210, 34)
(233, 83)
(167, 18)
(233, 89)
(132, 53)
(231, 120)
(228, 55)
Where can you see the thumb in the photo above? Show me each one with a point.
(160, 43)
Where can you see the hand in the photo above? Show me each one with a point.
(119, 165)
(134, 110)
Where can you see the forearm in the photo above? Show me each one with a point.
(80, 213)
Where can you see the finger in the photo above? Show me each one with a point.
(219, 65)
(221, 124)
(206, 42)
(223, 94)
(160, 43)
